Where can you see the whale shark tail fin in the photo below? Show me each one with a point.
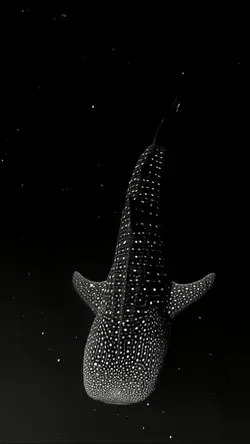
(172, 122)
(183, 295)
(91, 292)
(156, 139)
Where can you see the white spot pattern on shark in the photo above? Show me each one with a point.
(134, 307)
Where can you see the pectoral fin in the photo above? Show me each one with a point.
(91, 292)
(183, 295)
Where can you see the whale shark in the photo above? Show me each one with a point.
(135, 306)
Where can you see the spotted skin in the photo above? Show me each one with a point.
(134, 307)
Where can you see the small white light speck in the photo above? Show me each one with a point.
(2, 160)
(148, 404)
(58, 360)
(179, 368)
(93, 106)
(210, 354)
(170, 436)
(162, 411)
(76, 337)
(143, 427)
(42, 333)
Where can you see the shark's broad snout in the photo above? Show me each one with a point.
(124, 393)
(118, 396)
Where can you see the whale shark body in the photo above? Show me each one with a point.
(135, 305)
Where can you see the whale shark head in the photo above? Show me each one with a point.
(123, 356)
(135, 305)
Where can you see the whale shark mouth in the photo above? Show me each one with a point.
(119, 397)
(118, 403)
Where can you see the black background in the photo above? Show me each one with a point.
(82, 94)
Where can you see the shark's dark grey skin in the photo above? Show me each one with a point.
(134, 307)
